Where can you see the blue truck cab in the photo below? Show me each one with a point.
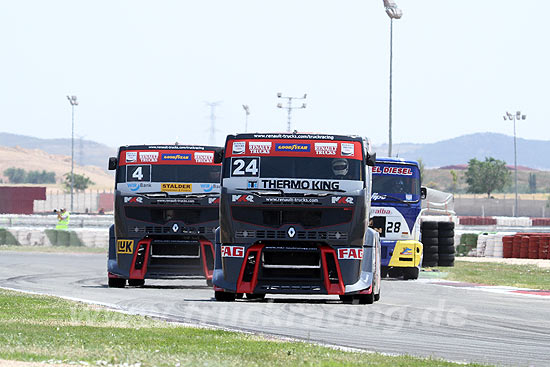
(395, 214)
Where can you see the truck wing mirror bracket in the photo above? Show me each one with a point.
(218, 156)
(423, 193)
(113, 161)
(371, 159)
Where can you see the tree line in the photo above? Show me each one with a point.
(21, 176)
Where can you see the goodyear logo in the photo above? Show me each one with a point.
(175, 187)
(176, 157)
(125, 246)
(292, 147)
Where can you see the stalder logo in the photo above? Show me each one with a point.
(239, 147)
(326, 148)
(350, 253)
(292, 147)
(175, 187)
(259, 147)
(301, 184)
(131, 157)
(148, 156)
(176, 157)
(206, 157)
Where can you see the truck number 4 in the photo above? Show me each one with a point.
(138, 173)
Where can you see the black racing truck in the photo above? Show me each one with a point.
(294, 211)
(166, 213)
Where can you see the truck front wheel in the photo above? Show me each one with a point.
(222, 296)
(117, 282)
(410, 273)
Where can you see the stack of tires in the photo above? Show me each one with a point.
(430, 239)
(446, 243)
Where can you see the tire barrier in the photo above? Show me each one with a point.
(541, 222)
(525, 246)
(438, 238)
(446, 243)
(503, 221)
(46, 237)
(429, 238)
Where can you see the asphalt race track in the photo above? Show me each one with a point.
(415, 317)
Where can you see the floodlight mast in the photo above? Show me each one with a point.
(289, 107)
(74, 102)
(512, 117)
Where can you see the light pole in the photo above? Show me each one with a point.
(247, 112)
(289, 106)
(73, 102)
(512, 117)
(394, 13)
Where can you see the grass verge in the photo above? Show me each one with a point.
(39, 328)
(522, 276)
(54, 249)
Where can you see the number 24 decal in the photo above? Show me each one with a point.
(245, 166)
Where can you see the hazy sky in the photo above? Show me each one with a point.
(143, 70)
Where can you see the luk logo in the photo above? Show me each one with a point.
(342, 200)
(239, 147)
(350, 253)
(259, 147)
(124, 246)
(292, 147)
(133, 199)
(213, 200)
(232, 251)
(326, 148)
(205, 157)
(131, 157)
(242, 198)
(148, 156)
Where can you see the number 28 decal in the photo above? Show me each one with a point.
(245, 167)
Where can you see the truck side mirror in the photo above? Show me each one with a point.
(423, 193)
(218, 155)
(371, 159)
(113, 161)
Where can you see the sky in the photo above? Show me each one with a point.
(145, 71)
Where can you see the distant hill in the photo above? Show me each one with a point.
(456, 151)
(86, 152)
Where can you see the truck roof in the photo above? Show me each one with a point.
(295, 136)
(395, 160)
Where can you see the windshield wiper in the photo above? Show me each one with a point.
(162, 194)
(264, 192)
(385, 196)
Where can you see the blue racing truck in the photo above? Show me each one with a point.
(166, 212)
(293, 218)
(395, 214)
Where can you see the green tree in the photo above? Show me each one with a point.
(486, 177)
(81, 182)
(38, 177)
(421, 169)
(532, 183)
(15, 175)
(454, 185)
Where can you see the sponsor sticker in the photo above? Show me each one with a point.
(131, 157)
(326, 148)
(301, 184)
(213, 200)
(347, 149)
(209, 187)
(133, 199)
(350, 253)
(342, 200)
(204, 157)
(259, 147)
(239, 147)
(242, 198)
(402, 171)
(148, 156)
(292, 147)
(175, 187)
(176, 157)
(133, 186)
(406, 251)
(232, 251)
(125, 246)
(252, 184)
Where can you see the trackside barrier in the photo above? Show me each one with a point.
(503, 221)
(50, 220)
(514, 245)
(32, 236)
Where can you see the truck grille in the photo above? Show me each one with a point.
(301, 235)
(287, 262)
(174, 252)
(169, 230)
(305, 217)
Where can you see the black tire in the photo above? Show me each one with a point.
(430, 249)
(383, 272)
(410, 273)
(395, 272)
(446, 233)
(136, 282)
(429, 264)
(365, 299)
(429, 233)
(239, 295)
(117, 283)
(345, 298)
(444, 250)
(446, 258)
(446, 263)
(445, 226)
(259, 296)
(377, 297)
(430, 241)
(222, 296)
(443, 242)
(429, 225)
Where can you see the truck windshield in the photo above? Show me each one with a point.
(168, 173)
(396, 180)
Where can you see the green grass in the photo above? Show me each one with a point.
(39, 328)
(523, 276)
(54, 249)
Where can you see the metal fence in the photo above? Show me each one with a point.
(89, 201)
(479, 205)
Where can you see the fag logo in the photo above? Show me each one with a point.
(342, 200)
(259, 147)
(350, 253)
(131, 157)
(232, 251)
(406, 251)
(125, 246)
(242, 198)
(206, 157)
(133, 199)
(175, 187)
(213, 200)
(326, 148)
(148, 156)
(239, 147)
